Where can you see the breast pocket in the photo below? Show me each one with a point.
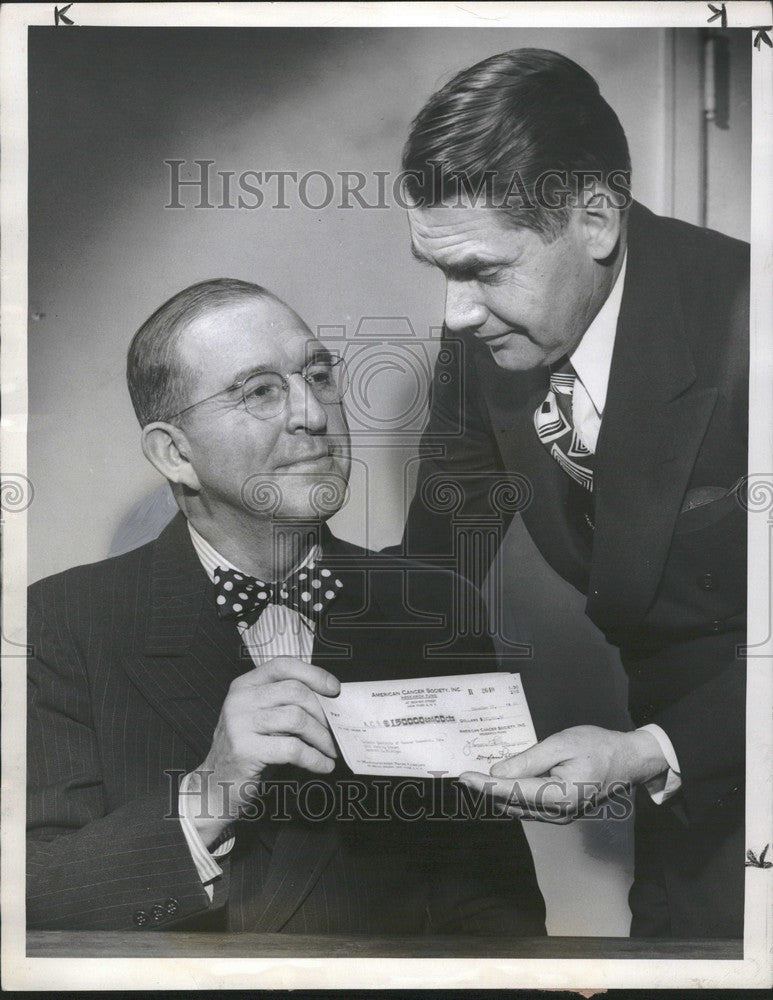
(709, 506)
(703, 587)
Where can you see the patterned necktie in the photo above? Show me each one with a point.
(553, 421)
(243, 599)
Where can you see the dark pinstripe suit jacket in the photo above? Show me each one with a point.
(130, 668)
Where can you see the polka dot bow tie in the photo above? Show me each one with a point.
(243, 598)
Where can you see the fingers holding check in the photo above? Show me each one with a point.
(561, 778)
(296, 735)
(271, 715)
(269, 704)
(274, 715)
(542, 799)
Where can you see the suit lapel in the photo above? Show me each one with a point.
(654, 421)
(189, 657)
(341, 642)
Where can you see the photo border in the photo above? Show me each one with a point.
(21, 972)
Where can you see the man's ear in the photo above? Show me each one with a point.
(601, 223)
(166, 447)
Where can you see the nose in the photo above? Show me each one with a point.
(304, 410)
(465, 308)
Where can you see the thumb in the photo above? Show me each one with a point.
(531, 763)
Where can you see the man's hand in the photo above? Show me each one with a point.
(271, 715)
(562, 777)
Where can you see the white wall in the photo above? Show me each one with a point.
(107, 108)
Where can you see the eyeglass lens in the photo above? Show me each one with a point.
(265, 393)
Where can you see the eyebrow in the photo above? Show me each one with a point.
(320, 353)
(467, 267)
(245, 373)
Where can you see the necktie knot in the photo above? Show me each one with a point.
(562, 380)
(243, 599)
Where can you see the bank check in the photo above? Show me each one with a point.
(427, 725)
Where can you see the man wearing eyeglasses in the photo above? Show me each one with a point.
(173, 687)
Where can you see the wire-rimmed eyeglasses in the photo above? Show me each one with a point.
(265, 393)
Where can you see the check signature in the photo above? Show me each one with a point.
(491, 740)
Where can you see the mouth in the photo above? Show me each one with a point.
(495, 339)
(309, 463)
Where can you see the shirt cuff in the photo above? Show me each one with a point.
(666, 784)
(203, 858)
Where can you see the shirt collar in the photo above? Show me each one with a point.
(210, 558)
(592, 358)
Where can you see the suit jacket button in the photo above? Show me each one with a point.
(716, 625)
(140, 918)
(158, 912)
(172, 906)
(707, 581)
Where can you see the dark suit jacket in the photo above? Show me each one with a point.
(665, 584)
(130, 668)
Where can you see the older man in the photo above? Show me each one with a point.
(605, 360)
(199, 658)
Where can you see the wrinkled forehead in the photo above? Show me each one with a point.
(444, 228)
(235, 337)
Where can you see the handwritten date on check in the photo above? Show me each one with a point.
(426, 725)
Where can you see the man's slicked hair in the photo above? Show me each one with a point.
(159, 383)
(521, 113)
